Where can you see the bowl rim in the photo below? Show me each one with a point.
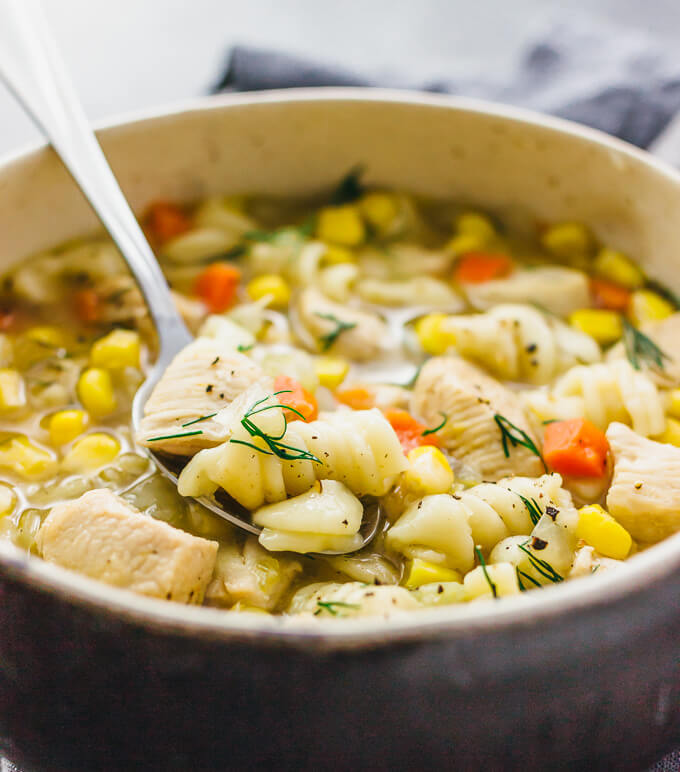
(641, 572)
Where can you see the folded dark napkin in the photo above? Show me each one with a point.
(615, 80)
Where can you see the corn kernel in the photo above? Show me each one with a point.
(671, 434)
(269, 284)
(605, 326)
(478, 582)
(12, 391)
(673, 403)
(429, 472)
(117, 350)
(46, 335)
(421, 572)
(648, 306)
(476, 224)
(615, 266)
(341, 225)
(66, 425)
(599, 529)
(335, 255)
(90, 453)
(8, 500)
(433, 338)
(95, 391)
(568, 241)
(462, 243)
(379, 209)
(331, 371)
(26, 458)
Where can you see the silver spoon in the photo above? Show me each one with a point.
(32, 68)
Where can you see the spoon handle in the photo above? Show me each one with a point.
(34, 71)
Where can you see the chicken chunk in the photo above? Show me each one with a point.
(339, 329)
(645, 492)
(102, 536)
(472, 402)
(201, 380)
(557, 289)
(351, 599)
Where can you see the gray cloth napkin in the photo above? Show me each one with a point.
(616, 80)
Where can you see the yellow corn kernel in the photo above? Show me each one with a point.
(433, 338)
(46, 335)
(568, 241)
(478, 582)
(671, 434)
(429, 472)
(419, 572)
(599, 529)
(335, 255)
(605, 326)
(271, 285)
(476, 224)
(648, 306)
(66, 425)
(331, 371)
(95, 391)
(117, 350)
(90, 453)
(465, 242)
(26, 458)
(673, 403)
(379, 209)
(341, 225)
(12, 391)
(615, 266)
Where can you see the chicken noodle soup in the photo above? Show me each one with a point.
(508, 393)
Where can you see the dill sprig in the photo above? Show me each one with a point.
(445, 418)
(521, 574)
(542, 566)
(641, 348)
(534, 508)
(515, 436)
(280, 235)
(273, 442)
(349, 188)
(331, 605)
(175, 436)
(329, 338)
(198, 420)
(245, 347)
(482, 563)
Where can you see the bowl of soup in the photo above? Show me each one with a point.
(459, 316)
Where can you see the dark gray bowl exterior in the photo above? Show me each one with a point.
(83, 689)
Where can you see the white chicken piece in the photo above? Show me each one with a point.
(474, 404)
(102, 536)
(206, 376)
(645, 492)
(338, 329)
(588, 562)
(250, 575)
(557, 289)
(351, 599)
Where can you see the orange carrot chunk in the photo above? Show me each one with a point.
(606, 294)
(356, 397)
(575, 447)
(478, 267)
(165, 221)
(216, 286)
(408, 430)
(297, 397)
(87, 305)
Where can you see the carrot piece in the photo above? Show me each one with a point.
(297, 397)
(165, 221)
(87, 305)
(356, 397)
(216, 286)
(575, 447)
(478, 267)
(408, 430)
(606, 294)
